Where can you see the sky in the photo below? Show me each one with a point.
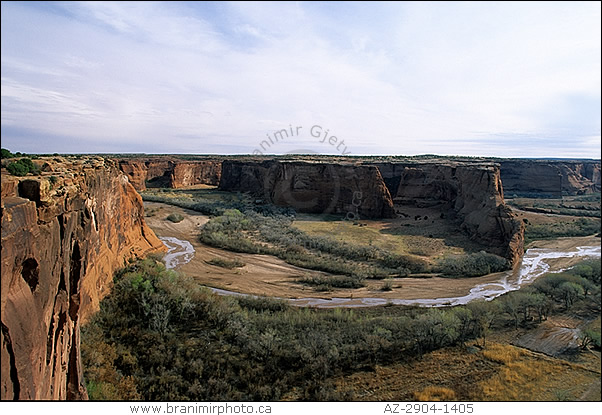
(514, 79)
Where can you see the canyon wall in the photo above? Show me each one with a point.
(64, 234)
(542, 178)
(356, 191)
(469, 191)
(521, 177)
(170, 172)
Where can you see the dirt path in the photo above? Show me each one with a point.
(270, 276)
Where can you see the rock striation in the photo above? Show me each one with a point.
(356, 191)
(64, 234)
(170, 172)
(548, 178)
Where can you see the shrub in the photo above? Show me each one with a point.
(22, 167)
(590, 337)
(580, 227)
(262, 304)
(226, 263)
(473, 265)
(338, 281)
(387, 286)
(6, 154)
(17, 169)
(175, 217)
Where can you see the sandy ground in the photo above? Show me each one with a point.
(270, 276)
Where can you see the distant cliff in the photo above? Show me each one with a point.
(543, 178)
(170, 172)
(355, 191)
(64, 234)
(472, 192)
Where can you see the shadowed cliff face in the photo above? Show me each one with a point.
(61, 244)
(169, 172)
(472, 192)
(355, 191)
(534, 178)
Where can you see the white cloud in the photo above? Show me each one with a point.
(402, 78)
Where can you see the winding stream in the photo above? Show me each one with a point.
(179, 252)
(532, 266)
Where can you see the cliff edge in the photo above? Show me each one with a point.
(64, 234)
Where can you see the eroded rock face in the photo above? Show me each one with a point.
(537, 178)
(170, 172)
(62, 240)
(472, 192)
(356, 191)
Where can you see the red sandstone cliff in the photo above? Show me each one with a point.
(170, 172)
(62, 240)
(355, 191)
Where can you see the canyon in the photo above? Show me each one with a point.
(67, 230)
(369, 187)
(170, 172)
(521, 177)
(64, 234)
(549, 178)
(469, 192)
(311, 187)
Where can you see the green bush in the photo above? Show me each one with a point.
(6, 154)
(337, 281)
(226, 263)
(22, 167)
(472, 265)
(580, 227)
(175, 217)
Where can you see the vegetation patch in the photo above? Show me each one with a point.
(226, 263)
(175, 217)
(208, 347)
(387, 286)
(435, 394)
(252, 232)
(326, 283)
(579, 227)
(582, 205)
(527, 377)
(471, 265)
(22, 167)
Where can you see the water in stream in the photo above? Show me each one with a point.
(533, 265)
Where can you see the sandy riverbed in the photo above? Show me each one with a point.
(270, 276)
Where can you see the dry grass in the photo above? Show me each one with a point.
(501, 372)
(435, 375)
(372, 235)
(502, 353)
(527, 376)
(435, 394)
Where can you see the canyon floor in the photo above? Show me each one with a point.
(500, 370)
(269, 276)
